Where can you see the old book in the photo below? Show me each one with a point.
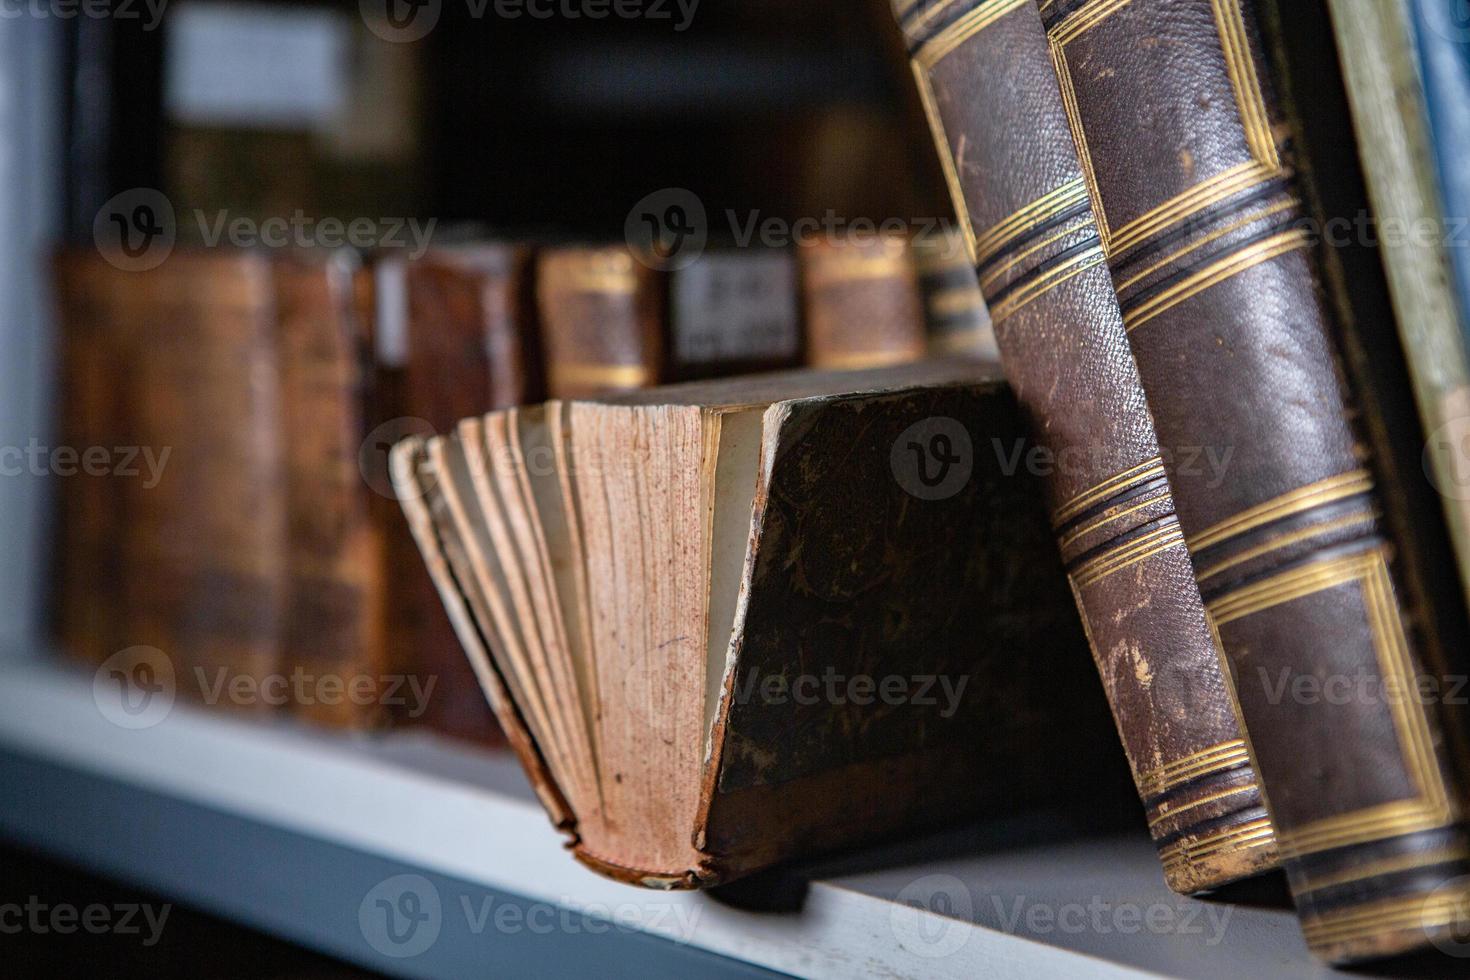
(335, 617)
(198, 518)
(1305, 577)
(734, 311)
(88, 610)
(1019, 193)
(956, 319)
(1389, 106)
(863, 308)
(602, 320)
(436, 321)
(718, 620)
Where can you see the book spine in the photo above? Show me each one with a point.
(430, 339)
(1019, 192)
(734, 311)
(89, 569)
(955, 316)
(601, 315)
(1171, 109)
(334, 625)
(204, 569)
(862, 302)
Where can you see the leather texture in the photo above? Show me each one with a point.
(192, 554)
(601, 320)
(863, 308)
(335, 570)
(470, 344)
(1171, 108)
(986, 76)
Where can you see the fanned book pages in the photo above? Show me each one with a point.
(728, 623)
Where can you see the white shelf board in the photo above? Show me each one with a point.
(1002, 908)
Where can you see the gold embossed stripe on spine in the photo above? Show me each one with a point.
(1205, 762)
(1263, 166)
(1147, 471)
(579, 375)
(1343, 486)
(1180, 855)
(1430, 808)
(1418, 913)
(926, 55)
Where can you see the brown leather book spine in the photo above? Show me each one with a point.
(1017, 185)
(473, 304)
(863, 308)
(956, 318)
(470, 347)
(435, 322)
(88, 567)
(601, 314)
(204, 577)
(335, 603)
(1170, 104)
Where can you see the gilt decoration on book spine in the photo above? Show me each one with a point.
(1171, 108)
(985, 76)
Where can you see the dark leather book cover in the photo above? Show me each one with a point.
(862, 301)
(986, 77)
(850, 575)
(1181, 136)
(199, 515)
(734, 311)
(335, 618)
(602, 320)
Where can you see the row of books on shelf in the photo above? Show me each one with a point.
(727, 622)
(708, 614)
(269, 387)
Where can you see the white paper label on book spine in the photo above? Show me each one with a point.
(390, 295)
(736, 306)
